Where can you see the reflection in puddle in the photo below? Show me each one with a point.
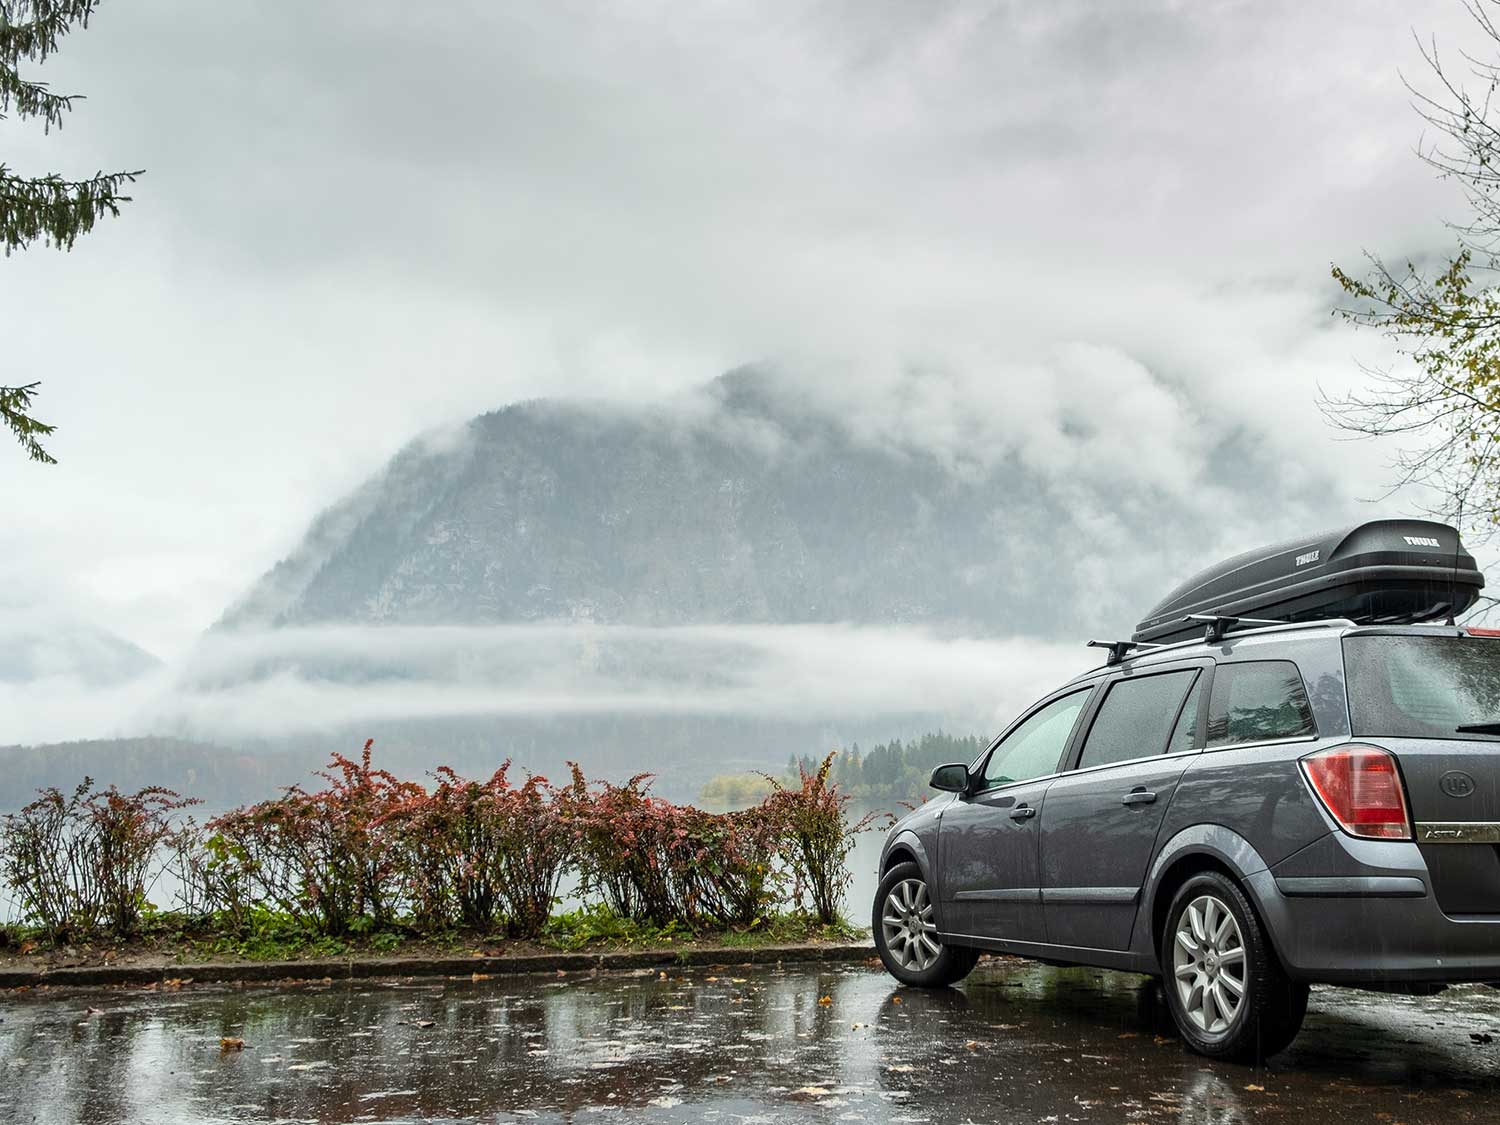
(1016, 1042)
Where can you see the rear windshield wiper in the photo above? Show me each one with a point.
(1492, 727)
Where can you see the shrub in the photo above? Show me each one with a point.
(479, 853)
(815, 837)
(80, 863)
(328, 857)
(653, 861)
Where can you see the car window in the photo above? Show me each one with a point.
(1258, 702)
(1422, 687)
(1035, 748)
(1136, 718)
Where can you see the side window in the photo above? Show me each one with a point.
(1035, 748)
(1136, 718)
(1258, 702)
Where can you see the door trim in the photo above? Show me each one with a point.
(1090, 896)
(1007, 894)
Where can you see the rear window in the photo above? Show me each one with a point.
(1422, 687)
(1259, 701)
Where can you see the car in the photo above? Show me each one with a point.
(1241, 812)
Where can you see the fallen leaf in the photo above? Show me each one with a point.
(28, 947)
(479, 977)
(825, 999)
(895, 999)
(1254, 1089)
(230, 1043)
(421, 1023)
(971, 1045)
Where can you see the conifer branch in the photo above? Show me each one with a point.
(15, 412)
(31, 29)
(55, 210)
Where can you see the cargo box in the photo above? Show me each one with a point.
(1384, 571)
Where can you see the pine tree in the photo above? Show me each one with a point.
(47, 209)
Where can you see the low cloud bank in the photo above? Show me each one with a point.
(274, 683)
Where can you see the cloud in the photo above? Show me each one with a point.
(270, 684)
(1100, 232)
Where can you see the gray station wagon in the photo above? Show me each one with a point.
(1241, 813)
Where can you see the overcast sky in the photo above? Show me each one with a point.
(363, 220)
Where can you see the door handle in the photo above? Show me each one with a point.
(1138, 797)
(1022, 812)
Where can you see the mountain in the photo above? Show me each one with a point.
(35, 645)
(751, 510)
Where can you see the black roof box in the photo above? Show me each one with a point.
(1396, 571)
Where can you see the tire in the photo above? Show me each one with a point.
(906, 937)
(1213, 944)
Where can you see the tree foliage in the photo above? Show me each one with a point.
(1442, 402)
(49, 209)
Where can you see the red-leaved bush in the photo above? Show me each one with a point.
(482, 854)
(80, 862)
(816, 838)
(368, 850)
(329, 857)
(655, 861)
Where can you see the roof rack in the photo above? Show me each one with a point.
(1118, 650)
(1219, 624)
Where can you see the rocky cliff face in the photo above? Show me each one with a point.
(743, 512)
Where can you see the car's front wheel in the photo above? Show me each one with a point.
(906, 934)
(1228, 994)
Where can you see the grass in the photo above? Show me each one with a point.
(267, 935)
(595, 927)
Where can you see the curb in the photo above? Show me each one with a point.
(372, 967)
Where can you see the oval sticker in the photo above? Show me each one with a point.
(1456, 783)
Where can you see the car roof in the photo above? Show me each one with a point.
(1335, 629)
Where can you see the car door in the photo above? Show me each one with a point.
(1101, 817)
(989, 876)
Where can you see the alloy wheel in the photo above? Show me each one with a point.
(907, 926)
(1208, 964)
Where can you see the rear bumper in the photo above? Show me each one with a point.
(1362, 911)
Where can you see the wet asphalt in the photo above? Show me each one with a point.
(1015, 1042)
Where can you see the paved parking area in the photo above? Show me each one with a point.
(1016, 1042)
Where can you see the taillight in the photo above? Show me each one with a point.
(1360, 786)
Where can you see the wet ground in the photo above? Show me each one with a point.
(1016, 1042)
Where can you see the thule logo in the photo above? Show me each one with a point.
(1421, 541)
(1309, 557)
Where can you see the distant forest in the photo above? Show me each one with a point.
(219, 777)
(892, 771)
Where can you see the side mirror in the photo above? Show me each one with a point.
(951, 778)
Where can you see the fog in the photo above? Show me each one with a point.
(293, 681)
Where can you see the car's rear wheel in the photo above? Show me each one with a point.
(1227, 992)
(906, 934)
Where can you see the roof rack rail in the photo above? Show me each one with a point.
(1219, 624)
(1118, 650)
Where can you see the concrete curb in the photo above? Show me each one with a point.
(364, 968)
